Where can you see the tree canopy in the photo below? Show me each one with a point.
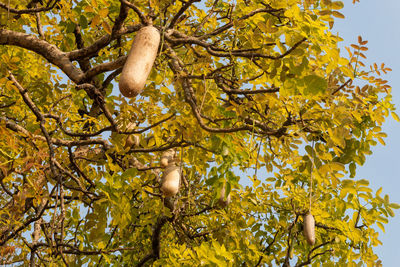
(265, 117)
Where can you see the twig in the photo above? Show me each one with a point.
(30, 10)
(139, 13)
(39, 25)
(180, 12)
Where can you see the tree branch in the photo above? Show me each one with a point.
(28, 11)
(180, 12)
(309, 257)
(155, 241)
(139, 13)
(102, 42)
(50, 52)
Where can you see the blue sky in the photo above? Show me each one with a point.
(379, 23)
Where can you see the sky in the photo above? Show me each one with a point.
(379, 23)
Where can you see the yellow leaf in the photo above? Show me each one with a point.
(89, 9)
(106, 27)
(337, 14)
(10, 86)
(380, 225)
(103, 12)
(165, 90)
(337, 166)
(395, 116)
(101, 245)
(379, 191)
(15, 59)
(348, 72)
(343, 61)
(381, 141)
(158, 79)
(95, 21)
(337, 5)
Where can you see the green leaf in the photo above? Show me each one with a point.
(314, 85)
(83, 22)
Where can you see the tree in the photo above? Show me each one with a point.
(252, 100)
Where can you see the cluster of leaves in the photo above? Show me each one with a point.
(254, 96)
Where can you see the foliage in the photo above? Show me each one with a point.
(252, 96)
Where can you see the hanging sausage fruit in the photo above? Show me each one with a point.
(170, 181)
(167, 157)
(309, 228)
(308, 219)
(140, 61)
(222, 201)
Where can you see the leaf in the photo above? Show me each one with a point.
(89, 9)
(352, 168)
(381, 141)
(83, 22)
(363, 182)
(348, 71)
(315, 85)
(395, 116)
(106, 27)
(337, 166)
(337, 14)
(390, 211)
(379, 191)
(337, 5)
(394, 206)
(381, 226)
(95, 21)
(103, 12)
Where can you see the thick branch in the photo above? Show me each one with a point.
(50, 52)
(155, 241)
